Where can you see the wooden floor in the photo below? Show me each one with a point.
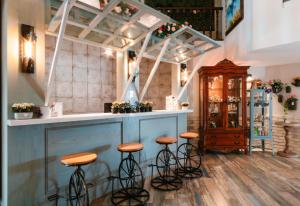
(236, 179)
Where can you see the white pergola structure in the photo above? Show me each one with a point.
(120, 25)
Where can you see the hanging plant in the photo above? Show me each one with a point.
(291, 103)
(296, 82)
(280, 98)
(169, 28)
(277, 86)
(288, 88)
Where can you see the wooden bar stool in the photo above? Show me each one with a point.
(188, 156)
(78, 191)
(131, 178)
(166, 165)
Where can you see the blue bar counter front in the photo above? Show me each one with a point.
(34, 152)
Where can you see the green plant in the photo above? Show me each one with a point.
(288, 88)
(22, 107)
(148, 106)
(291, 103)
(115, 107)
(296, 82)
(277, 85)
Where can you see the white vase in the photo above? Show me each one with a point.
(23, 115)
(46, 112)
(184, 107)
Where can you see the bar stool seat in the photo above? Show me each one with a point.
(166, 140)
(189, 135)
(78, 159)
(131, 147)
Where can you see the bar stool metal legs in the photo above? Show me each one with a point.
(78, 191)
(189, 160)
(166, 165)
(131, 179)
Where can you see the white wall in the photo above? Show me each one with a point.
(275, 23)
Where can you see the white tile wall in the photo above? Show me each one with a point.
(84, 77)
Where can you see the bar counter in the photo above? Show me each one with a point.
(35, 147)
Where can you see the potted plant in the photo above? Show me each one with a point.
(277, 86)
(23, 110)
(141, 107)
(291, 103)
(288, 88)
(148, 106)
(122, 107)
(127, 107)
(280, 98)
(185, 105)
(115, 107)
(297, 82)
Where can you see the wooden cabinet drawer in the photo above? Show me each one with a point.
(224, 140)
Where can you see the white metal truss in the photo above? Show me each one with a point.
(137, 65)
(191, 76)
(154, 69)
(104, 27)
(65, 12)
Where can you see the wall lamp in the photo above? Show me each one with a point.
(27, 48)
(183, 74)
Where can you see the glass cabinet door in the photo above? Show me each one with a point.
(215, 102)
(234, 102)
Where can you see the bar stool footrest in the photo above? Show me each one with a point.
(190, 172)
(168, 183)
(122, 197)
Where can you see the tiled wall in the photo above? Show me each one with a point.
(85, 78)
(160, 86)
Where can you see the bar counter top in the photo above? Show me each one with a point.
(89, 116)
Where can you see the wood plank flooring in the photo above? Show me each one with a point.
(235, 179)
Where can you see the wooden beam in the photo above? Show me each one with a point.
(154, 69)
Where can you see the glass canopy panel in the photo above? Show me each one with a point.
(125, 10)
(184, 36)
(73, 31)
(108, 25)
(132, 32)
(148, 20)
(55, 4)
(81, 16)
(119, 42)
(96, 37)
(95, 4)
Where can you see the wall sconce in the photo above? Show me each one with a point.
(27, 48)
(183, 74)
(131, 63)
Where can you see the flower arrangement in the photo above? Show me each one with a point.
(115, 107)
(233, 99)
(215, 99)
(169, 28)
(122, 8)
(277, 85)
(23, 110)
(148, 106)
(22, 107)
(291, 102)
(296, 82)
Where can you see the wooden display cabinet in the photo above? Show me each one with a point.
(223, 115)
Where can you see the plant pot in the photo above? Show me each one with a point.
(46, 112)
(297, 83)
(150, 109)
(184, 107)
(142, 109)
(122, 111)
(280, 98)
(115, 110)
(127, 110)
(276, 90)
(292, 106)
(288, 89)
(23, 115)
